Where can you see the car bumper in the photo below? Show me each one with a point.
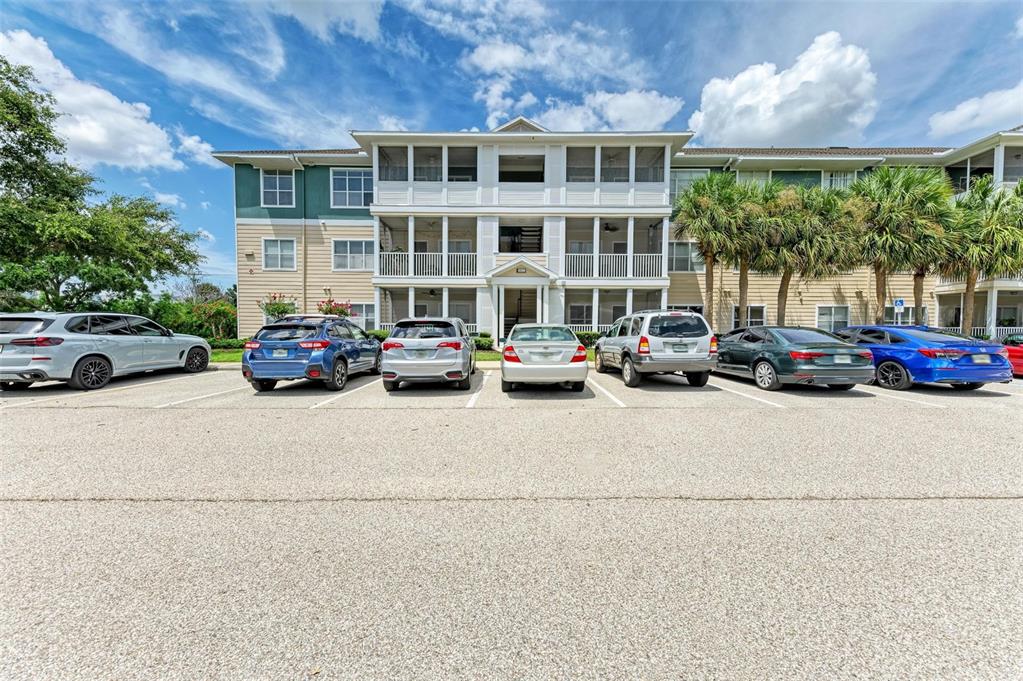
(648, 364)
(423, 371)
(281, 370)
(997, 374)
(844, 376)
(516, 372)
(24, 374)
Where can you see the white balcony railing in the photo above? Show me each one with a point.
(461, 264)
(429, 264)
(614, 265)
(983, 277)
(647, 265)
(601, 328)
(578, 265)
(393, 264)
(471, 327)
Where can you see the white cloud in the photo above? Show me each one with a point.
(1019, 27)
(170, 200)
(359, 18)
(206, 236)
(99, 127)
(205, 205)
(388, 122)
(826, 96)
(632, 110)
(995, 110)
(195, 148)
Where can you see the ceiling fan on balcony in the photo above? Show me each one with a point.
(608, 227)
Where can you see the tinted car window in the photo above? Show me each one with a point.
(935, 336)
(78, 325)
(846, 335)
(684, 326)
(805, 336)
(109, 325)
(23, 324)
(357, 332)
(873, 337)
(286, 332)
(637, 326)
(537, 333)
(144, 327)
(341, 331)
(752, 336)
(423, 329)
(623, 330)
(733, 335)
(1013, 340)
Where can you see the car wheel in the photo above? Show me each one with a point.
(196, 360)
(697, 379)
(390, 386)
(841, 386)
(630, 376)
(263, 386)
(765, 376)
(578, 386)
(598, 362)
(464, 384)
(376, 364)
(507, 386)
(967, 386)
(14, 385)
(91, 373)
(338, 376)
(893, 376)
(472, 372)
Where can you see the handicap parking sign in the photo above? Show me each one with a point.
(900, 304)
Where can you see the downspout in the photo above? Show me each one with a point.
(305, 240)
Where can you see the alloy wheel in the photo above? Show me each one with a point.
(627, 371)
(340, 373)
(764, 375)
(890, 375)
(197, 360)
(95, 373)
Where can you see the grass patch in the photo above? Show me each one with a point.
(494, 356)
(226, 355)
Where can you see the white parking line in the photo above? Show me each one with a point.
(199, 397)
(103, 391)
(752, 397)
(343, 393)
(604, 390)
(902, 399)
(476, 395)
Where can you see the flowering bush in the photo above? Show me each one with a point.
(218, 318)
(277, 305)
(331, 306)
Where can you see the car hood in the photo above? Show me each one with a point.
(190, 338)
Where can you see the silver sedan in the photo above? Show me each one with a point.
(543, 353)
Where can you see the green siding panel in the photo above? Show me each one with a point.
(312, 196)
(806, 178)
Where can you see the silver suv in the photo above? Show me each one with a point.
(87, 349)
(658, 342)
(428, 350)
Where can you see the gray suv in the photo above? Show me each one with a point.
(428, 350)
(87, 349)
(658, 342)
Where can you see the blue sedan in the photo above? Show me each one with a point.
(904, 355)
(326, 349)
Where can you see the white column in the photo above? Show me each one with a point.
(665, 226)
(444, 244)
(376, 173)
(444, 175)
(992, 311)
(495, 313)
(411, 246)
(962, 309)
(667, 173)
(376, 240)
(500, 313)
(967, 173)
(409, 175)
(630, 244)
(377, 312)
(444, 302)
(596, 246)
(632, 174)
(546, 304)
(628, 301)
(539, 304)
(596, 174)
(596, 307)
(664, 298)
(999, 169)
(411, 301)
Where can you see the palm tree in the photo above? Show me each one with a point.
(986, 236)
(709, 212)
(759, 206)
(903, 210)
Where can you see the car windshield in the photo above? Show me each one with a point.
(683, 326)
(286, 332)
(423, 329)
(542, 333)
(934, 336)
(23, 324)
(807, 336)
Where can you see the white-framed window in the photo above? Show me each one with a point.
(682, 178)
(756, 315)
(839, 179)
(832, 317)
(278, 188)
(353, 255)
(756, 176)
(684, 256)
(580, 313)
(906, 318)
(278, 254)
(364, 314)
(350, 187)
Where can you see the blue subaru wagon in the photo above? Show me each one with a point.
(904, 355)
(316, 347)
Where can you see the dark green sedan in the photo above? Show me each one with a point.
(776, 355)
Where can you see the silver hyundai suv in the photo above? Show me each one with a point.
(658, 342)
(87, 349)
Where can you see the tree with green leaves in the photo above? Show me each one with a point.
(760, 214)
(986, 236)
(904, 213)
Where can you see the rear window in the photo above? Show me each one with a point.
(683, 326)
(23, 324)
(935, 336)
(424, 329)
(806, 336)
(542, 333)
(286, 332)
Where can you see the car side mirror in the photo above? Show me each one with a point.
(166, 332)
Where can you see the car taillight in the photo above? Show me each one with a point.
(251, 345)
(713, 345)
(804, 354)
(644, 345)
(510, 355)
(391, 345)
(38, 341)
(1004, 352)
(580, 354)
(936, 353)
(454, 345)
(314, 345)
(866, 354)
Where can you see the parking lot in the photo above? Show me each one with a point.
(187, 526)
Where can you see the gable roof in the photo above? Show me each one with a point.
(538, 270)
(520, 124)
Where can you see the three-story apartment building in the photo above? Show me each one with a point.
(524, 224)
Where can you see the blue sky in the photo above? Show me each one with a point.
(148, 89)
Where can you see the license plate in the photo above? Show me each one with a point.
(843, 359)
(680, 347)
(982, 359)
(280, 353)
(421, 354)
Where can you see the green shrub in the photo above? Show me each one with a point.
(483, 343)
(380, 334)
(226, 343)
(587, 338)
(486, 334)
